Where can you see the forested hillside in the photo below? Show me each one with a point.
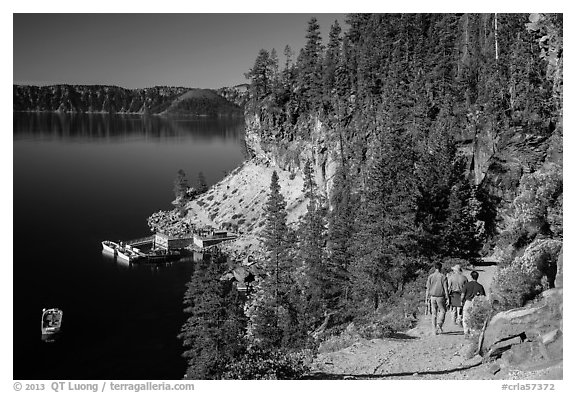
(420, 138)
(113, 99)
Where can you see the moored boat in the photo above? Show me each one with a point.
(110, 247)
(51, 323)
(159, 255)
(127, 254)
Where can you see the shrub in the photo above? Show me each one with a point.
(554, 217)
(479, 312)
(527, 275)
(540, 258)
(449, 262)
(376, 329)
(537, 206)
(512, 286)
(397, 313)
(269, 364)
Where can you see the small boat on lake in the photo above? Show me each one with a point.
(134, 249)
(128, 254)
(110, 247)
(161, 255)
(51, 323)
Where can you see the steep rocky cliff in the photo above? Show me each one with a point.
(291, 154)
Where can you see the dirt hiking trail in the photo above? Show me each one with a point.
(415, 354)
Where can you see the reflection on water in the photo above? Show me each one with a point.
(152, 266)
(80, 179)
(115, 128)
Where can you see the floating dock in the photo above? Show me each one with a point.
(165, 248)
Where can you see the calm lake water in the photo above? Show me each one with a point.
(81, 179)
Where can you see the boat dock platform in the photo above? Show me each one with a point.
(165, 248)
(127, 252)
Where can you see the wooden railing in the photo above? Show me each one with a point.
(140, 241)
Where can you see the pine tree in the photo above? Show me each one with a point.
(310, 66)
(463, 230)
(311, 252)
(385, 240)
(180, 185)
(213, 333)
(181, 192)
(274, 67)
(331, 60)
(435, 179)
(273, 308)
(202, 186)
(275, 238)
(289, 55)
(261, 75)
(339, 238)
(345, 71)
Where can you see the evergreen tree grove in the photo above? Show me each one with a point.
(423, 128)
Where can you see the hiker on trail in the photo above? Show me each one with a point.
(456, 282)
(437, 292)
(469, 292)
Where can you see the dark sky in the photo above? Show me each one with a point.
(142, 50)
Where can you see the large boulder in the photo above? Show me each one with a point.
(528, 337)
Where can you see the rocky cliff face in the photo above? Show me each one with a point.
(498, 157)
(292, 155)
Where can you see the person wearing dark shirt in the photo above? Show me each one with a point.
(469, 292)
(437, 292)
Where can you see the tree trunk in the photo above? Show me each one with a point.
(496, 35)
